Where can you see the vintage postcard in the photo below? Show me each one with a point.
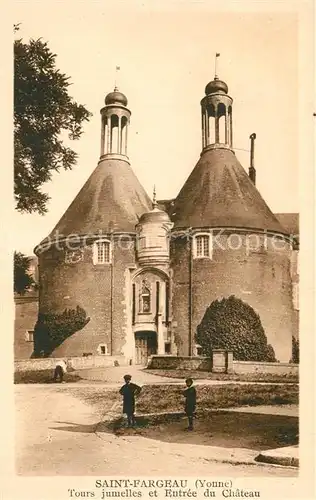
(160, 251)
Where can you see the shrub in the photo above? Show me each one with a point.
(51, 330)
(233, 325)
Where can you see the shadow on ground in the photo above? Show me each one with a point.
(222, 429)
(73, 427)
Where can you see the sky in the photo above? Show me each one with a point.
(166, 55)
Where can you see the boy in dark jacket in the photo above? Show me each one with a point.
(190, 401)
(129, 391)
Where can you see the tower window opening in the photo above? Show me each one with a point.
(124, 136)
(210, 125)
(230, 125)
(222, 129)
(202, 247)
(221, 110)
(101, 252)
(211, 130)
(145, 298)
(114, 134)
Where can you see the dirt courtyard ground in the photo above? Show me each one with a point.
(225, 429)
(57, 433)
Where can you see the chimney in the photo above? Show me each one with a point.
(252, 170)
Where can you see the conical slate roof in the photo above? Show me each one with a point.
(219, 193)
(112, 197)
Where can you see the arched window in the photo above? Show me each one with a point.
(101, 252)
(145, 298)
(202, 246)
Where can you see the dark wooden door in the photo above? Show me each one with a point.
(145, 346)
(141, 354)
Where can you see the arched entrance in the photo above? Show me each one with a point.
(145, 346)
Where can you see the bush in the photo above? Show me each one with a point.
(233, 325)
(51, 330)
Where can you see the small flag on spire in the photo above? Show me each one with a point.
(217, 54)
(118, 68)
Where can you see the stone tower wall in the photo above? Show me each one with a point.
(88, 286)
(260, 276)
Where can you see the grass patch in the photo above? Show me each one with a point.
(205, 375)
(41, 377)
(164, 398)
(157, 398)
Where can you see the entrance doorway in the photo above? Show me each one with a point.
(145, 346)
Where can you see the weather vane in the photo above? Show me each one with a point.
(216, 57)
(117, 69)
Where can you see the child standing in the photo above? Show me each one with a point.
(129, 391)
(190, 401)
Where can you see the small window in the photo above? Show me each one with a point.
(145, 298)
(103, 349)
(202, 246)
(101, 252)
(29, 336)
(198, 350)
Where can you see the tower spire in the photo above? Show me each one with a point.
(216, 58)
(155, 204)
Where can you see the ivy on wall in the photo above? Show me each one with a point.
(233, 325)
(51, 330)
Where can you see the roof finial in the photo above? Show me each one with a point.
(116, 75)
(216, 57)
(155, 204)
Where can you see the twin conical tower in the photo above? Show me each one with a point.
(145, 277)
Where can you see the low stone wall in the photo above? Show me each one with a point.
(180, 363)
(242, 367)
(225, 365)
(76, 362)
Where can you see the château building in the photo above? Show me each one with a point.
(146, 270)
